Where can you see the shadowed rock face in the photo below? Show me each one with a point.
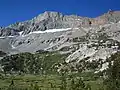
(80, 37)
(8, 32)
(2, 53)
(19, 36)
(56, 20)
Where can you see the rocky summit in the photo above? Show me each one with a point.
(82, 38)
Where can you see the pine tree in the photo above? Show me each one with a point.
(63, 81)
(72, 86)
(113, 73)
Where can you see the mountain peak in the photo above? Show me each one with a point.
(89, 39)
(48, 15)
(51, 12)
(55, 20)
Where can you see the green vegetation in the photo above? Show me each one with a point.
(27, 63)
(26, 71)
(113, 73)
(47, 82)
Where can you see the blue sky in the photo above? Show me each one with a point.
(12, 11)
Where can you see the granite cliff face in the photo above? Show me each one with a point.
(56, 20)
(88, 39)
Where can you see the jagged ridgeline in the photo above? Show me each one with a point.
(82, 50)
(85, 40)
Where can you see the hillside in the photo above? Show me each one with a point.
(53, 51)
(82, 38)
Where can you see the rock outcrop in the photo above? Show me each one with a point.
(92, 39)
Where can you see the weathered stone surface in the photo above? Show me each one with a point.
(56, 20)
(92, 39)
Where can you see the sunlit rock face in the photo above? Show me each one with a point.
(79, 37)
(56, 20)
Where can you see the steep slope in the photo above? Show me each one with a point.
(84, 39)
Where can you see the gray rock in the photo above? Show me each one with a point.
(80, 37)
